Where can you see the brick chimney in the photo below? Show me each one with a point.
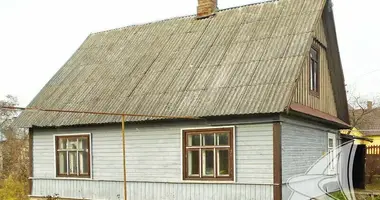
(369, 105)
(206, 8)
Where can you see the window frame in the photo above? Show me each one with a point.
(56, 138)
(332, 154)
(314, 91)
(231, 161)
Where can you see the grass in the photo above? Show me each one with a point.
(374, 186)
(372, 192)
(359, 196)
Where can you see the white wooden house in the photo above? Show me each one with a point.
(264, 80)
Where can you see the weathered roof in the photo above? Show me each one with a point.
(368, 121)
(244, 60)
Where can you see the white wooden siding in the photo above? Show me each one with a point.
(153, 154)
(302, 145)
(254, 154)
(112, 190)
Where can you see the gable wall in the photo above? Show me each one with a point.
(153, 157)
(325, 102)
(319, 33)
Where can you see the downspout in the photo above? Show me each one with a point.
(124, 167)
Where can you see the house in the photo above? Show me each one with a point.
(370, 123)
(263, 83)
(374, 136)
(357, 136)
(367, 122)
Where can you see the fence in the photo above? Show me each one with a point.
(373, 161)
(373, 150)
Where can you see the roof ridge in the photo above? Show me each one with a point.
(185, 16)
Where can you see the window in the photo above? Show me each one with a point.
(208, 154)
(332, 159)
(314, 71)
(73, 156)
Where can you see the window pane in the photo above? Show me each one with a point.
(73, 162)
(313, 70)
(193, 163)
(222, 139)
(331, 143)
(208, 139)
(83, 143)
(313, 54)
(62, 143)
(208, 163)
(72, 143)
(83, 163)
(315, 76)
(193, 140)
(311, 75)
(62, 162)
(223, 162)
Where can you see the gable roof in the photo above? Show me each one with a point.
(335, 64)
(244, 60)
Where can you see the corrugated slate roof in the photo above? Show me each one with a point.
(244, 60)
(368, 121)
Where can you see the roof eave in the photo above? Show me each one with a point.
(313, 114)
(353, 137)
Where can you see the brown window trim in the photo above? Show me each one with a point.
(57, 164)
(229, 147)
(315, 92)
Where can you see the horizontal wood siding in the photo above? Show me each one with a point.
(113, 190)
(153, 153)
(301, 147)
(254, 153)
(325, 102)
(43, 152)
(303, 143)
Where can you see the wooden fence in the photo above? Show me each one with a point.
(373, 161)
(373, 150)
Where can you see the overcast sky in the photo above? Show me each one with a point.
(37, 37)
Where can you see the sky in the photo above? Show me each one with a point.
(37, 37)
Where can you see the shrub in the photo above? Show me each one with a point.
(11, 189)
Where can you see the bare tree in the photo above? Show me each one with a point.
(362, 110)
(14, 150)
(15, 156)
(6, 117)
